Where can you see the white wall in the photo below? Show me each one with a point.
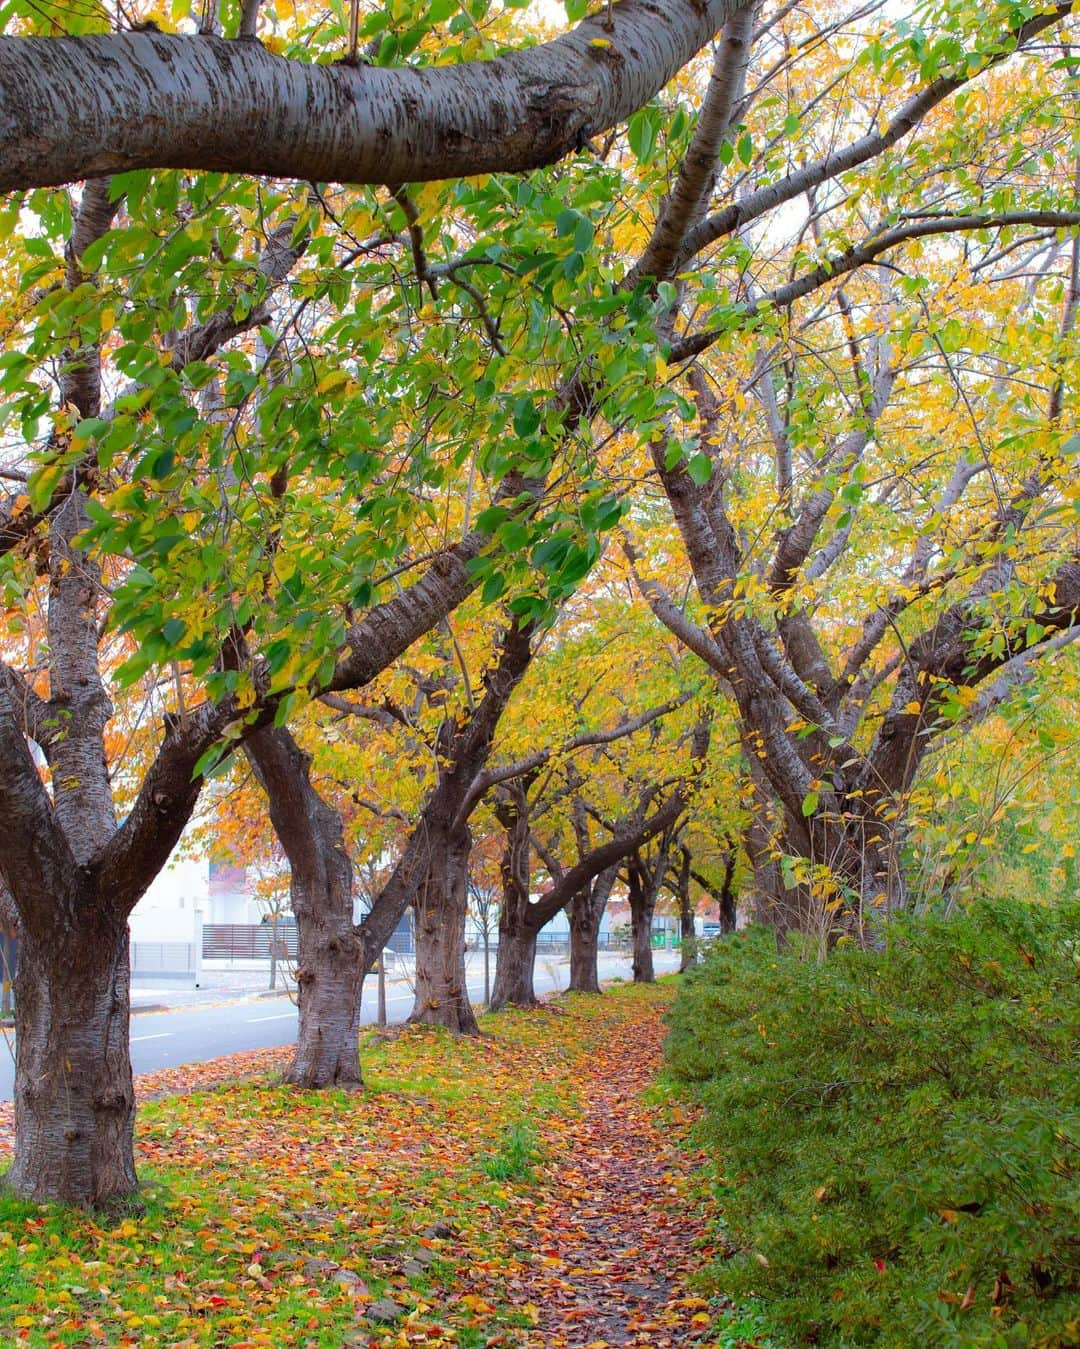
(167, 912)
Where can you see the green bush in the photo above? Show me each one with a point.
(898, 1130)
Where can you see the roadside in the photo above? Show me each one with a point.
(222, 987)
(512, 1190)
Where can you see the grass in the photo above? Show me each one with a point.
(514, 1157)
(271, 1216)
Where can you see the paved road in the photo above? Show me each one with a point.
(169, 1039)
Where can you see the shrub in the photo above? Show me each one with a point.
(898, 1130)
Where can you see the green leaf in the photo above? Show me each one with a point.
(700, 468)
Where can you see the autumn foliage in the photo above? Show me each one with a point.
(510, 1190)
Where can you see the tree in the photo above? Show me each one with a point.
(911, 488)
(320, 392)
(598, 841)
(646, 870)
(153, 456)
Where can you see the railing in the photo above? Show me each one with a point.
(248, 941)
(162, 957)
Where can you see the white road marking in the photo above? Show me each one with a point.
(410, 997)
(161, 1035)
(280, 1016)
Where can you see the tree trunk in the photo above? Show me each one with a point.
(772, 903)
(515, 960)
(331, 968)
(729, 913)
(687, 931)
(330, 980)
(584, 951)
(442, 993)
(514, 963)
(642, 908)
(864, 880)
(585, 912)
(74, 1098)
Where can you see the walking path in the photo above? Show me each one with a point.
(615, 1229)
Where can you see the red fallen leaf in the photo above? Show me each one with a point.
(215, 1301)
(879, 1265)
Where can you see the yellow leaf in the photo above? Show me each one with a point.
(334, 380)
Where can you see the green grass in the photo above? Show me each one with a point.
(245, 1186)
(515, 1154)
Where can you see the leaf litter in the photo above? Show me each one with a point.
(519, 1189)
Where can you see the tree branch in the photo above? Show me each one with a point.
(683, 208)
(156, 100)
(755, 204)
(862, 255)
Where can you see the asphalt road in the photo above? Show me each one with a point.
(170, 1039)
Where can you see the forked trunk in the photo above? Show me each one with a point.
(442, 993)
(74, 1097)
(514, 963)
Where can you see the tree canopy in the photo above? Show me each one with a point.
(671, 403)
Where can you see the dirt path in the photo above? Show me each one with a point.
(614, 1233)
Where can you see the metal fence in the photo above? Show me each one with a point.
(247, 941)
(252, 941)
(163, 957)
(163, 960)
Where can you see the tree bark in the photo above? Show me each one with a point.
(330, 981)
(442, 991)
(516, 959)
(645, 875)
(641, 917)
(515, 965)
(157, 100)
(728, 898)
(687, 932)
(331, 971)
(74, 1097)
(585, 912)
(584, 939)
(644, 878)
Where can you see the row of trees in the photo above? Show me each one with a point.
(782, 341)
